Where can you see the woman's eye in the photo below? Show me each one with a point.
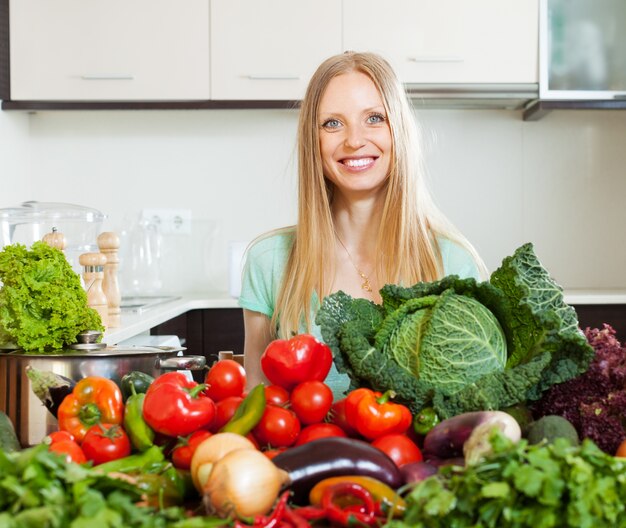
(376, 118)
(331, 123)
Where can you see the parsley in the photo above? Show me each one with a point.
(521, 485)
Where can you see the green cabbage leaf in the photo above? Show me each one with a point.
(459, 344)
(43, 306)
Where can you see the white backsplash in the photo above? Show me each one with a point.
(559, 182)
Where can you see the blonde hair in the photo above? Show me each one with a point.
(410, 220)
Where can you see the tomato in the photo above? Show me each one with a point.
(225, 378)
(287, 362)
(621, 450)
(319, 430)
(271, 453)
(59, 436)
(71, 450)
(105, 442)
(184, 450)
(311, 401)
(279, 427)
(276, 395)
(337, 416)
(224, 410)
(399, 447)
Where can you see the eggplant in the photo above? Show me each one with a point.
(49, 387)
(417, 471)
(447, 438)
(313, 461)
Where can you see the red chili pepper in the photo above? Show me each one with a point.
(373, 415)
(176, 406)
(295, 519)
(311, 512)
(274, 520)
(349, 516)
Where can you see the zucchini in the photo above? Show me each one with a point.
(8, 439)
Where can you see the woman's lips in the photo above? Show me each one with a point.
(358, 163)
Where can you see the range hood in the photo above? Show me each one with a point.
(473, 96)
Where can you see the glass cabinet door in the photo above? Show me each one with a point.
(582, 49)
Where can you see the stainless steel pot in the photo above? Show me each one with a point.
(33, 421)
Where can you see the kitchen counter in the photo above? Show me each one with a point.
(135, 323)
(138, 322)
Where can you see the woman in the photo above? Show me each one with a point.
(365, 217)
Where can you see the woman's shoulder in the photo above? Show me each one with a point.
(457, 259)
(279, 240)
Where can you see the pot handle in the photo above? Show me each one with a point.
(182, 363)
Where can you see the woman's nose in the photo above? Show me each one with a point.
(355, 137)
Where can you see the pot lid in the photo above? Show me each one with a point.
(109, 351)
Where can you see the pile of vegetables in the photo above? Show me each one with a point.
(460, 345)
(595, 401)
(43, 305)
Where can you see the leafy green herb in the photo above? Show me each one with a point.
(43, 305)
(522, 485)
(458, 344)
(39, 489)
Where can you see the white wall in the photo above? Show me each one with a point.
(558, 182)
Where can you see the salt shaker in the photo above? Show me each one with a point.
(109, 244)
(93, 264)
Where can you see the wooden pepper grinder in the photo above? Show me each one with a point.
(55, 239)
(109, 244)
(93, 275)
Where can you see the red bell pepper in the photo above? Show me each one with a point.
(94, 400)
(373, 415)
(176, 406)
(289, 362)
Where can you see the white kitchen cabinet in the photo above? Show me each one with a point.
(448, 41)
(268, 49)
(109, 50)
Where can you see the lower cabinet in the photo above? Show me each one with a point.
(595, 315)
(207, 332)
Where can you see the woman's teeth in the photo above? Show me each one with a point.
(361, 162)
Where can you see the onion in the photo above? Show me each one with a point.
(210, 451)
(243, 483)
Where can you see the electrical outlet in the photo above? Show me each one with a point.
(169, 221)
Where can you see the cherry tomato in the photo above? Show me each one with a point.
(278, 427)
(311, 401)
(59, 436)
(224, 410)
(399, 447)
(71, 450)
(319, 430)
(271, 453)
(337, 416)
(186, 447)
(621, 450)
(105, 442)
(276, 395)
(225, 378)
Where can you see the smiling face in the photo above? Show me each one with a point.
(355, 139)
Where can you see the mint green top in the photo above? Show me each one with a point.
(265, 266)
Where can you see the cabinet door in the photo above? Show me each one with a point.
(268, 49)
(94, 50)
(448, 41)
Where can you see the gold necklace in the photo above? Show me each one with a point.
(366, 286)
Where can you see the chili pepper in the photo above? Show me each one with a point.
(425, 420)
(274, 520)
(347, 517)
(295, 519)
(389, 500)
(139, 381)
(140, 434)
(134, 463)
(311, 513)
(94, 400)
(374, 415)
(248, 414)
(176, 406)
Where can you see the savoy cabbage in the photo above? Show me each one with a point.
(459, 344)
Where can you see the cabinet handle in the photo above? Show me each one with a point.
(107, 77)
(274, 77)
(436, 58)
